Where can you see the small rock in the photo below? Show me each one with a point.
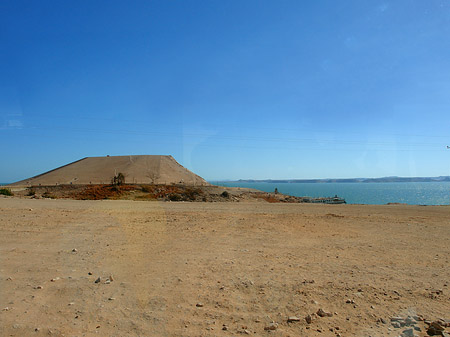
(9, 279)
(323, 313)
(224, 327)
(71, 303)
(396, 325)
(381, 320)
(293, 319)
(435, 328)
(89, 273)
(199, 305)
(408, 333)
(98, 280)
(37, 329)
(6, 309)
(308, 319)
(111, 298)
(74, 250)
(247, 332)
(38, 287)
(108, 281)
(55, 279)
(350, 301)
(271, 326)
(410, 321)
(111, 278)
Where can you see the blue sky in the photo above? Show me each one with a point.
(231, 89)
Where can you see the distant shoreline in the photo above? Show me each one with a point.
(350, 180)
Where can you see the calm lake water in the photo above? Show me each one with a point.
(429, 193)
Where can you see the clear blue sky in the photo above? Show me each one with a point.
(231, 89)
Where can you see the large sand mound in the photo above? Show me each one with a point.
(100, 170)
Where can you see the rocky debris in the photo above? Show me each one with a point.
(271, 326)
(6, 309)
(308, 319)
(55, 279)
(74, 250)
(410, 322)
(350, 301)
(111, 298)
(224, 327)
(39, 287)
(199, 305)
(98, 280)
(398, 322)
(9, 279)
(293, 319)
(323, 313)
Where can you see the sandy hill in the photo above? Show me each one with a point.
(145, 169)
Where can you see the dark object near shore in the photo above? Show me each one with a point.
(333, 200)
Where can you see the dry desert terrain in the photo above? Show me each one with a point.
(221, 269)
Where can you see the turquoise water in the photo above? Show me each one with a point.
(429, 193)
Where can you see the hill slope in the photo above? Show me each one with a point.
(143, 169)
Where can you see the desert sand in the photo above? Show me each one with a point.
(220, 269)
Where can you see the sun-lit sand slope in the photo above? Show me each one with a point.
(219, 269)
(100, 170)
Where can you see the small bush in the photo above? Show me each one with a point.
(174, 197)
(225, 194)
(6, 191)
(31, 192)
(118, 179)
(146, 189)
(47, 194)
(192, 193)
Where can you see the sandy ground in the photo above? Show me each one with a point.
(219, 269)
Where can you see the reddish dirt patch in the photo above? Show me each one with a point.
(99, 192)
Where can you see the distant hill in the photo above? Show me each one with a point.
(144, 169)
(354, 180)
